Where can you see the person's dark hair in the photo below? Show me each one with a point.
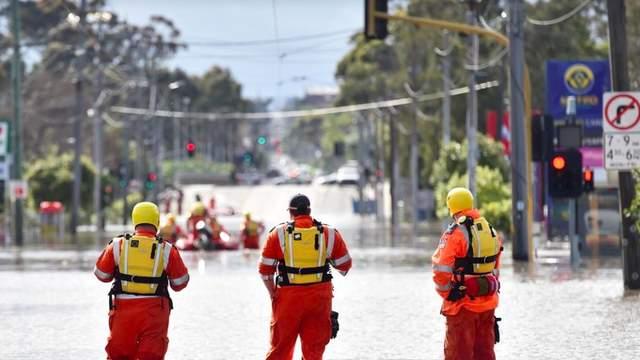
(299, 205)
(299, 212)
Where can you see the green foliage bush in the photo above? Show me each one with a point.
(51, 179)
(493, 195)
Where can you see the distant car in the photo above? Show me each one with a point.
(249, 178)
(348, 175)
(328, 179)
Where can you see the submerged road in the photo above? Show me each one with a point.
(388, 310)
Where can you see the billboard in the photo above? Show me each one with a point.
(586, 80)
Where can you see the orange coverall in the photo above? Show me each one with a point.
(139, 324)
(470, 322)
(303, 310)
(251, 234)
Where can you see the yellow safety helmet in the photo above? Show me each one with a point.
(247, 214)
(198, 209)
(459, 199)
(145, 213)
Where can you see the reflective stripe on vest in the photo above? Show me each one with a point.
(142, 257)
(300, 252)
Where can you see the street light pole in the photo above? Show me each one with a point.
(16, 129)
(519, 159)
(77, 124)
(626, 184)
(472, 101)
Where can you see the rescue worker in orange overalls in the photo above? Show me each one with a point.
(251, 232)
(170, 231)
(465, 272)
(216, 231)
(301, 250)
(141, 267)
(197, 212)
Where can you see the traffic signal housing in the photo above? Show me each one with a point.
(587, 176)
(150, 181)
(565, 174)
(375, 27)
(191, 148)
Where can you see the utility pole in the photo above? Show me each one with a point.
(413, 153)
(361, 162)
(472, 100)
(395, 180)
(98, 157)
(98, 142)
(127, 172)
(519, 160)
(626, 188)
(16, 129)
(446, 83)
(78, 121)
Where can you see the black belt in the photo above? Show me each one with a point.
(138, 279)
(303, 271)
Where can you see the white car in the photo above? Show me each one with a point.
(348, 175)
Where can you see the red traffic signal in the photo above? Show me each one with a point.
(587, 176)
(565, 178)
(152, 176)
(191, 148)
(559, 162)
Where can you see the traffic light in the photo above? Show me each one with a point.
(247, 158)
(123, 180)
(107, 196)
(565, 174)
(262, 140)
(150, 181)
(375, 27)
(542, 133)
(587, 176)
(191, 148)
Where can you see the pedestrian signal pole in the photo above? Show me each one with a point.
(626, 188)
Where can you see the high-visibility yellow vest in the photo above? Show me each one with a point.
(305, 254)
(141, 263)
(251, 228)
(483, 246)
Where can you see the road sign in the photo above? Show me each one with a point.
(4, 137)
(622, 151)
(17, 189)
(621, 130)
(621, 112)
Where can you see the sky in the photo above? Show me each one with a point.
(272, 66)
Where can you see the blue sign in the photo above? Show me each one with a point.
(587, 81)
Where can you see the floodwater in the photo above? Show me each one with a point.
(52, 307)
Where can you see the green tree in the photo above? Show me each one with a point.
(453, 159)
(51, 179)
(220, 92)
(493, 196)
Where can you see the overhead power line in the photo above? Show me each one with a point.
(294, 113)
(559, 19)
(271, 41)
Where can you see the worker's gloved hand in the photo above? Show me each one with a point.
(457, 292)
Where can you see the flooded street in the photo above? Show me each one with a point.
(388, 310)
